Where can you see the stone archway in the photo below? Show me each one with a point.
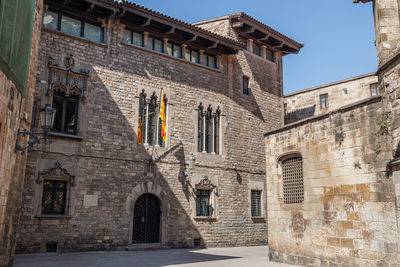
(140, 190)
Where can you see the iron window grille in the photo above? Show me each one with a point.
(255, 203)
(54, 197)
(293, 182)
(203, 202)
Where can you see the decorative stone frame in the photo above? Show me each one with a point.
(257, 186)
(205, 182)
(56, 173)
(69, 82)
(156, 190)
(289, 206)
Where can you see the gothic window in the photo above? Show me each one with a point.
(200, 129)
(255, 203)
(149, 121)
(203, 202)
(293, 184)
(66, 116)
(54, 197)
(209, 130)
(208, 135)
(217, 130)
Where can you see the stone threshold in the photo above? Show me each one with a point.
(146, 246)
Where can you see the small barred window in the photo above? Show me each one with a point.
(255, 203)
(293, 187)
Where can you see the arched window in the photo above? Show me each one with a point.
(152, 120)
(209, 130)
(208, 134)
(149, 122)
(142, 118)
(293, 182)
(216, 130)
(200, 128)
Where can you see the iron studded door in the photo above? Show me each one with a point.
(146, 220)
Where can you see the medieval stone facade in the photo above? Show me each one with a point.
(324, 98)
(15, 114)
(333, 178)
(104, 180)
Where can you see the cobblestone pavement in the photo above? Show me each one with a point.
(211, 257)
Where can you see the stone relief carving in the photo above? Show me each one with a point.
(56, 172)
(205, 183)
(66, 80)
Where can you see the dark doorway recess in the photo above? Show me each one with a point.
(146, 219)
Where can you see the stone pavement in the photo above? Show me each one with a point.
(211, 257)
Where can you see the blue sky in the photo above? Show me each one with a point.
(338, 35)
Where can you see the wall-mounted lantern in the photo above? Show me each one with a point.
(46, 116)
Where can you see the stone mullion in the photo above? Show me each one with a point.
(145, 39)
(204, 133)
(213, 135)
(147, 124)
(158, 127)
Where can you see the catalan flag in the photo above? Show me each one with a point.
(139, 133)
(162, 117)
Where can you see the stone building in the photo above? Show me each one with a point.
(324, 98)
(333, 187)
(19, 38)
(109, 179)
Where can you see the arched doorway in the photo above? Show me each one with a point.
(146, 219)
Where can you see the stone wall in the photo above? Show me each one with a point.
(348, 216)
(306, 103)
(15, 113)
(109, 167)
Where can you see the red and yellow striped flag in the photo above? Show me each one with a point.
(162, 117)
(139, 132)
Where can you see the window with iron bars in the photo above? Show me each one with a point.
(293, 182)
(203, 202)
(255, 203)
(54, 197)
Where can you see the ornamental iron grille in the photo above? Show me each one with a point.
(146, 219)
(255, 203)
(56, 181)
(293, 182)
(54, 197)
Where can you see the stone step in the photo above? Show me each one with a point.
(146, 246)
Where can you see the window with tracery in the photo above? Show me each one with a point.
(208, 126)
(149, 121)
